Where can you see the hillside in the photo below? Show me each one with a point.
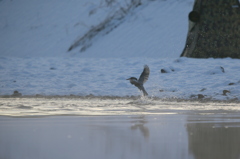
(48, 28)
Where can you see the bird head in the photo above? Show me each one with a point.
(132, 78)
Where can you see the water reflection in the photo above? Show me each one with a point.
(102, 137)
(209, 139)
(139, 125)
(171, 136)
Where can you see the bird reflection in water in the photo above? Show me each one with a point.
(139, 124)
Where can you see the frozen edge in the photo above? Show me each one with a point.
(153, 98)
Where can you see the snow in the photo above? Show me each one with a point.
(35, 37)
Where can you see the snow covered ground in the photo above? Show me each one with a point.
(185, 77)
(35, 37)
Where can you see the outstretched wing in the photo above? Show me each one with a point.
(145, 74)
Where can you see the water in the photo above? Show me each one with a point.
(49, 128)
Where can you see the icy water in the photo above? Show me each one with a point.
(60, 128)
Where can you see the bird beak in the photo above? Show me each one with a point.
(128, 79)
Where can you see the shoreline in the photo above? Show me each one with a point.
(193, 98)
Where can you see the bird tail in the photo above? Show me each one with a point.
(144, 92)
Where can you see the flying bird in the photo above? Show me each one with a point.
(142, 79)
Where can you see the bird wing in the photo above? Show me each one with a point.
(145, 74)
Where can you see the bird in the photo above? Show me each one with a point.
(142, 79)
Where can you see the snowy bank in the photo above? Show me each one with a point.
(185, 78)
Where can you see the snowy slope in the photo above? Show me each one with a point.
(156, 30)
(48, 28)
(43, 28)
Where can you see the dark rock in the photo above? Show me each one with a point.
(225, 92)
(52, 68)
(200, 96)
(163, 71)
(167, 70)
(231, 84)
(16, 94)
(161, 90)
